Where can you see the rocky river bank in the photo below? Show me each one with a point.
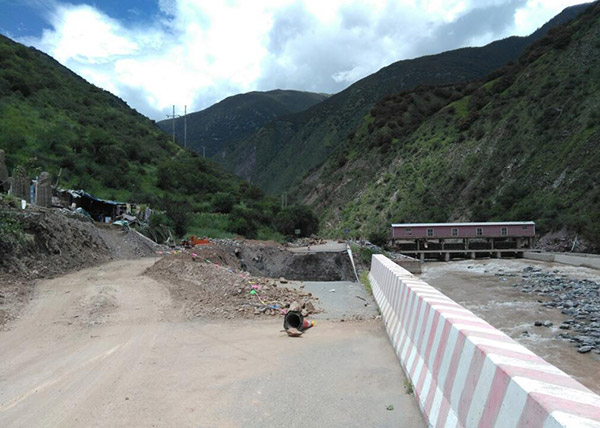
(578, 299)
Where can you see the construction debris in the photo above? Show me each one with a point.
(207, 286)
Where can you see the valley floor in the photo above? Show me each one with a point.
(107, 346)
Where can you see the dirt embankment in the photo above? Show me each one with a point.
(45, 243)
(212, 289)
(274, 261)
(233, 279)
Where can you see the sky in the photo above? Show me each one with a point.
(194, 53)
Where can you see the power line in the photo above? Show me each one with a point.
(173, 116)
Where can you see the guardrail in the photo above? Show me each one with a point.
(466, 373)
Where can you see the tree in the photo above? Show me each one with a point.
(297, 217)
(223, 202)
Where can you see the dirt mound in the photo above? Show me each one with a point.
(45, 243)
(274, 261)
(57, 241)
(564, 241)
(210, 289)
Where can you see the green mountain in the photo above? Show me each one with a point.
(285, 149)
(236, 117)
(523, 144)
(53, 120)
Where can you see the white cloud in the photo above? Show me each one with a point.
(199, 52)
(527, 18)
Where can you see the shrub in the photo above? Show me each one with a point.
(297, 217)
(379, 237)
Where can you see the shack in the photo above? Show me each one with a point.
(102, 210)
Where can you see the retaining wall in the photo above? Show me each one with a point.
(466, 373)
(573, 259)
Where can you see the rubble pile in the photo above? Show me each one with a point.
(269, 259)
(211, 288)
(579, 299)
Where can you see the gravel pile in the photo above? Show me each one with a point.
(207, 287)
(579, 299)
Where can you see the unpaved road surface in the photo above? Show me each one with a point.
(482, 287)
(107, 347)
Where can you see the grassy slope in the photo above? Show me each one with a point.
(51, 119)
(237, 117)
(521, 146)
(284, 150)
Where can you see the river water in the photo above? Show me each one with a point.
(486, 288)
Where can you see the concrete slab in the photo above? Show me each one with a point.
(341, 300)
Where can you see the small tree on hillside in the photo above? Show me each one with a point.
(289, 219)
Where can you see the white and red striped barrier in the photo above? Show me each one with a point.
(464, 372)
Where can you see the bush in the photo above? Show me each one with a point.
(223, 202)
(241, 221)
(11, 231)
(379, 237)
(297, 217)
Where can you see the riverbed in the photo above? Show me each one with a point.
(536, 303)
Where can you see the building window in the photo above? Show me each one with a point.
(454, 231)
(504, 231)
(479, 231)
(524, 227)
(429, 232)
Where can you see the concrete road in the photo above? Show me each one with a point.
(106, 347)
(341, 300)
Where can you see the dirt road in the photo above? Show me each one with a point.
(108, 347)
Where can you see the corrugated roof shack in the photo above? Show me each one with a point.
(103, 210)
(443, 240)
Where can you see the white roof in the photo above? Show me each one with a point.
(490, 223)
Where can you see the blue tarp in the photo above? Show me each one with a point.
(83, 193)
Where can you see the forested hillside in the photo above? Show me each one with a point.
(284, 150)
(53, 120)
(214, 130)
(523, 144)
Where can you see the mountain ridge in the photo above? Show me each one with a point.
(521, 144)
(290, 146)
(214, 129)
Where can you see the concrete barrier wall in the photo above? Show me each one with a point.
(466, 373)
(542, 257)
(573, 259)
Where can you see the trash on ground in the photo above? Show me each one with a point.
(294, 323)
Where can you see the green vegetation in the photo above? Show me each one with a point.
(522, 144)
(280, 153)
(52, 120)
(11, 230)
(297, 218)
(364, 279)
(217, 128)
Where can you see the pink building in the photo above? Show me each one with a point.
(446, 240)
(513, 229)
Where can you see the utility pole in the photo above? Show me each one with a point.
(185, 127)
(204, 151)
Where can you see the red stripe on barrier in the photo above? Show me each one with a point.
(495, 399)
